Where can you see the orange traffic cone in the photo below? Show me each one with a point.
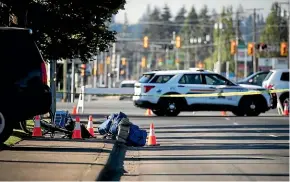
(74, 111)
(148, 112)
(37, 129)
(286, 109)
(90, 126)
(223, 113)
(152, 137)
(77, 130)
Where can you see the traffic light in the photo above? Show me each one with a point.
(146, 42)
(123, 61)
(108, 60)
(178, 42)
(83, 69)
(283, 49)
(143, 62)
(261, 46)
(250, 48)
(233, 47)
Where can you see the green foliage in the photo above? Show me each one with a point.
(275, 30)
(65, 29)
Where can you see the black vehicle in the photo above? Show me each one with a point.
(24, 92)
(255, 78)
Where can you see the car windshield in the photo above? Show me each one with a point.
(146, 78)
(268, 76)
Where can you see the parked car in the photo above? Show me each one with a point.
(278, 79)
(127, 84)
(255, 78)
(24, 92)
(152, 88)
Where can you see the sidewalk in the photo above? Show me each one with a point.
(54, 160)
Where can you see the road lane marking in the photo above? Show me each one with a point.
(235, 123)
(227, 119)
(273, 135)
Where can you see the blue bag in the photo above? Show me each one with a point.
(105, 126)
(137, 137)
(61, 118)
(114, 127)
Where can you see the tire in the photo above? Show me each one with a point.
(284, 99)
(171, 106)
(158, 112)
(250, 105)
(238, 113)
(6, 128)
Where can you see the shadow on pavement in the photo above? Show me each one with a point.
(221, 174)
(49, 162)
(225, 137)
(193, 158)
(90, 140)
(56, 149)
(216, 146)
(223, 131)
(114, 167)
(286, 126)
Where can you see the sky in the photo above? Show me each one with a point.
(136, 8)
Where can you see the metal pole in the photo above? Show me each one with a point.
(64, 86)
(72, 96)
(95, 72)
(53, 84)
(255, 66)
(219, 52)
(245, 64)
(288, 32)
(118, 67)
(237, 45)
(106, 69)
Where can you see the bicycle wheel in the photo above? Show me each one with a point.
(45, 120)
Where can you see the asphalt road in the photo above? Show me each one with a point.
(212, 148)
(108, 106)
(191, 148)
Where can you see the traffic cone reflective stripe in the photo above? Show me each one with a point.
(224, 113)
(148, 112)
(90, 126)
(286, 110)
(37, 129)
(77, 130)
(152, 137)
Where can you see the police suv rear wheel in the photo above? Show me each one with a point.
(159, 112)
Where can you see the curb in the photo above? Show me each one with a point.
(114, 168)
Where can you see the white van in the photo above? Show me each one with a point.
(127, 84)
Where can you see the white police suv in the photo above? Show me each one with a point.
(154, 88)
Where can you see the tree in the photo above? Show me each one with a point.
(154, 29)
(275, 30)
(166, 27)
(204, 30)
(65, 29)
(179, 19)
(222, 38)
(190, 30)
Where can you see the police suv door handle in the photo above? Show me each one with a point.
(180, 86)
(212, 87)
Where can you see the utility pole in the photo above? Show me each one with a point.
(64, 80)
(254, 41)
(237, 45)
(255, 64)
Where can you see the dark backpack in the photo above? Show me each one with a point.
(137, 137)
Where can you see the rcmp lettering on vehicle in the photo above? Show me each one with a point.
(159, 91)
